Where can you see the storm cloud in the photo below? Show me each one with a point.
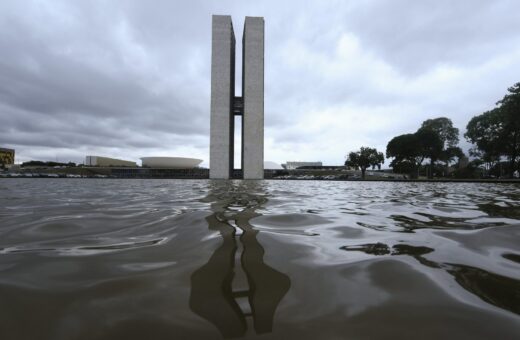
(131, 78)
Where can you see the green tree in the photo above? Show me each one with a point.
(448, 134)
(365, 158)
(485, 132)
(450, 154)
(496, 133)
(430, 145)
(410, 150)
(447, 137)
(509, 108)
(406, 151)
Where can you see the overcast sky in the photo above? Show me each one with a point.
(131, 79)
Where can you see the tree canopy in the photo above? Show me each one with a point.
(50, 164)
(496, 133)
(410, 150)
(365, 158)
(438, 135)
(404, 150)
(484, 131)
(510, 109)
(443, 126)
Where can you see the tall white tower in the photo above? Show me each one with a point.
(225, 105)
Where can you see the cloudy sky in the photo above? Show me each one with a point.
(132, 78)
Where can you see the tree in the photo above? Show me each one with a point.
(472, 170)
(448, 134)
(430, 146)
(509, 108)
(410, 150)
(446, 137)
(496, 133)
(406, 151)
(451, 153)
(365, 158)
(484, 131)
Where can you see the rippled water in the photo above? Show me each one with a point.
(181, 259)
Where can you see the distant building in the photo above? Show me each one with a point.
(105, 161)
(6, 156)
(296, 165)
(322, 167)
(170, 162)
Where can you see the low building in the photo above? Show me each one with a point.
(170, 162)
(106, 161)
(296, 165)
(6, 156)
(323, 167)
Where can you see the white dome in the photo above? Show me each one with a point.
(170, 162)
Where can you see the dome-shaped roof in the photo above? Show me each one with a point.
(268, 165)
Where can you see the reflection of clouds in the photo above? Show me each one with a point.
(227, 294)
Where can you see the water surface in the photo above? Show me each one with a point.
(189, 259)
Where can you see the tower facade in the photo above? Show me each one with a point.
(225, 105)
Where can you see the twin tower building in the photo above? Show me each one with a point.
(225, 105)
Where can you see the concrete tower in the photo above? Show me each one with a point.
(225, 105)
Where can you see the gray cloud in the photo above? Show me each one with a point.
(130, 79)
(415, 35)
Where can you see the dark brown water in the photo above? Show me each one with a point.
(180, 259)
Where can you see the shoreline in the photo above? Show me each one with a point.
(435, 180)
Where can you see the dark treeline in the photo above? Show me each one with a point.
(48, 164)
(495, 136)
(436, 140)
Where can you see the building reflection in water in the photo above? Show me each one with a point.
(236, 288)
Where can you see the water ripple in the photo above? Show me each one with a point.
(129, 258)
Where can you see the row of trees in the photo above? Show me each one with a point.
(436, 140)
(495, 135)
(51, 164)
